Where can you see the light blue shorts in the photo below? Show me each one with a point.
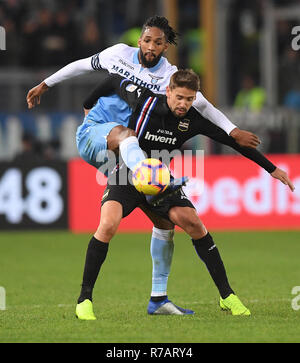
(91, 140)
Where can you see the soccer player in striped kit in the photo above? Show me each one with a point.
(164, 123)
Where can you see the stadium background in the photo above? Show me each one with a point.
(243, 52)
(248, 68)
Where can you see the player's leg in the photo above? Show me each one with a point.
(161, 248)
(94, 139)
(162, 244)
(118, 201)
(111, 215)
(188, 220)
(124, 140)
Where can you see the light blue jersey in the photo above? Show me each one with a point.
(91, 136)
(110, 109)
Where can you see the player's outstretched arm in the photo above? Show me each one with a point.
(216, 133)
(207, 110)
(71, 70)
(283, 177)
(251, 153)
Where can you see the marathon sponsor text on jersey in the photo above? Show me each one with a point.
(123, 60)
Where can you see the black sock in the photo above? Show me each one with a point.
(158, 298)
(209, 254)
(95, 256)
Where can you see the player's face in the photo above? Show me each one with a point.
(180, 100)
(152, 44)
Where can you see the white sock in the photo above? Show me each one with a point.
(162, 248)
(131, 152)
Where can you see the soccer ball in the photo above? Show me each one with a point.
(151, 176)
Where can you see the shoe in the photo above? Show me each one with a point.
(84, 310)
(166, 307)
(234, 304)
(173, 188)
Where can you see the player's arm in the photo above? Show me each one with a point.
(107, 85)
(96, 62)
(217, 134)
(283, 177)
(115, 84)
(207, 110)
(71, 70)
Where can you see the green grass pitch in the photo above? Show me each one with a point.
(41, 273)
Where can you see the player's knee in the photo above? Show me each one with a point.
(188, 220)
(192, 225)
(117, 135)
(125, 133)
(107, 228)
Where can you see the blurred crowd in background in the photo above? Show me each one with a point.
(48, 34)
(246, 31)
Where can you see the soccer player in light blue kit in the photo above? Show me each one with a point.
(104, 128)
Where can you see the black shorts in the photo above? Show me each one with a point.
(130, 199)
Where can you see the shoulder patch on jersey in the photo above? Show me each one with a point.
(131, 87)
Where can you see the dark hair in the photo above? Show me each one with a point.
(185, 78)
(163, 24)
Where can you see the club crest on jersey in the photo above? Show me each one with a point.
(184, 124)
(155, 79)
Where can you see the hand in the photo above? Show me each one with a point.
(245, 138)
(34, 95)
(283, 177)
